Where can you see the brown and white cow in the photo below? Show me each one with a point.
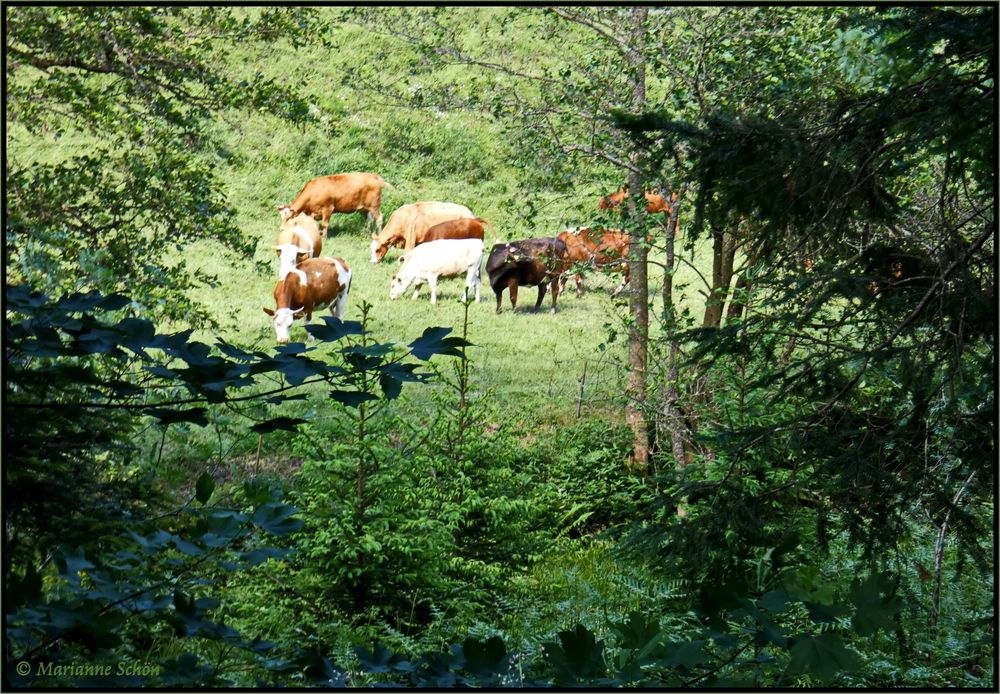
(408, 225)
(527, 263)
(313, 284)
(298, 239)
(604, 248)
(345, 192)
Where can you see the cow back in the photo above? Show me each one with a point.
(464, 228)
(536, 258)
(321, 284)
(352, 191)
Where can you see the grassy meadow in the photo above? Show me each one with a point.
(529, 360)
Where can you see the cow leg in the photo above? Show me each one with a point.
(625, 278)
(541, 294)
(307, 318)
(618, 290)
(499, 292)
(338, 307)
(513, 294)
(433, 283)
(555, 293)
(579, 284)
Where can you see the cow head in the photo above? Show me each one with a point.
(283, 319)
(398, 286)
(378, 250)
(288, 257)
(285, 211)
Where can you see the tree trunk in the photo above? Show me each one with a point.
(738, 303)
(723, 256)
(638, 329)
(671, 417)
(939, 544)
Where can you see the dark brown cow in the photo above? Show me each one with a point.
(528, 263)
(314, 283)
(466, 228)
(345, 192)
(603, 248)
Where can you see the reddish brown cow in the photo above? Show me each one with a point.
(314, 283)
(654, 201)
(605, 248)
(408, 225)
(613, 200)
(466, 228)
(346, 192)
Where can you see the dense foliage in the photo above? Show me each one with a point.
(819, 415)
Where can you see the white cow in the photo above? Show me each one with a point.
(445, 258)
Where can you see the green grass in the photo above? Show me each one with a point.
(531, 360)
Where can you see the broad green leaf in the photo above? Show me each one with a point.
(433, 341)
(824, 655)
(485, 657)
(391, 386)
(351, 398)
(277, 518)
(333, 329)
(195, 415)
(204, 488)
(278, 423)
(875, 603)
(578, 656)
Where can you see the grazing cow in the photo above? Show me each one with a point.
(612, 200)
(654, 201)
(345, 192)
(298, 240)
(442, 258)
(314, 283)
(605, 248)
(528, 263)
(464, 228)
(408, 225)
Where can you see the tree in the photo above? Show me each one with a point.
(844, 393)
(97, 557)
(135, 88)
(588, 63)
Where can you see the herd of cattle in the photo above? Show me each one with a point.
(439, 239)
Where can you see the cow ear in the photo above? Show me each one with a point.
(268, 311)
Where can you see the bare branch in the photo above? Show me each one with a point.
(602, 30)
